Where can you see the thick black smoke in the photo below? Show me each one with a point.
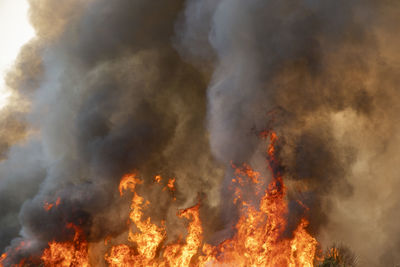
(182, 88)
(324, 76)
(110, 95)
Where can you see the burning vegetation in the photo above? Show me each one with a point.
(203, 133)
(258, 238)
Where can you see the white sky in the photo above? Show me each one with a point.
(15, 31)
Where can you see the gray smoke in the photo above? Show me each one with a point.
(324, 76)
(108, 95)
(182, 88)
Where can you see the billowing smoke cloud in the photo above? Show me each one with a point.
(108, 95)
(182, 88)
(324, 76)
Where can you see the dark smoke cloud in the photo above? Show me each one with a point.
(324, 76)
(182, 88)
(108, 95)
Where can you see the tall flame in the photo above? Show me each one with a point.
(259, 238)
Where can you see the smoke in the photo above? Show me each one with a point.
(324, 76)
(181, 88)
(109, 95)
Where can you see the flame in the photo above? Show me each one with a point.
(259, 239)
(181, 255)
(334, 254)
(3, 257)
(259, 234)
(171, 187)
(157, 178)
(303, 246)
(171, 184)
(48, 206)
(67, 254)
(147, 239)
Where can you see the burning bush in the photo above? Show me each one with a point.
(338, 256)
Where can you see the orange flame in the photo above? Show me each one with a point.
(181, 255)
(3, 257)
(147, 239)
(67, 254)
(171, 184)
(259, 232)
(171, 187)
(259, 238)
(48, 206)
(157, 178)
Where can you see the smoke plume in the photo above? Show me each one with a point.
(183, 89)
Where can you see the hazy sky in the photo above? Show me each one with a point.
(15, 31)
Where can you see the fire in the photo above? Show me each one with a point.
(48, 206)
(259, 238)
(303, 246)
(171, 187)
(171, 184)
(67, 254)
(2, 259)
(181, 255)
(157, 178)
(5, 256)
(149, 237)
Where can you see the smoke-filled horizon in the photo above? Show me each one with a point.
(183, 89)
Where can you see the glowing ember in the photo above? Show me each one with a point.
(157, 178)
(170, 185)
(48, 206)
(13, 251)
(2, 259)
